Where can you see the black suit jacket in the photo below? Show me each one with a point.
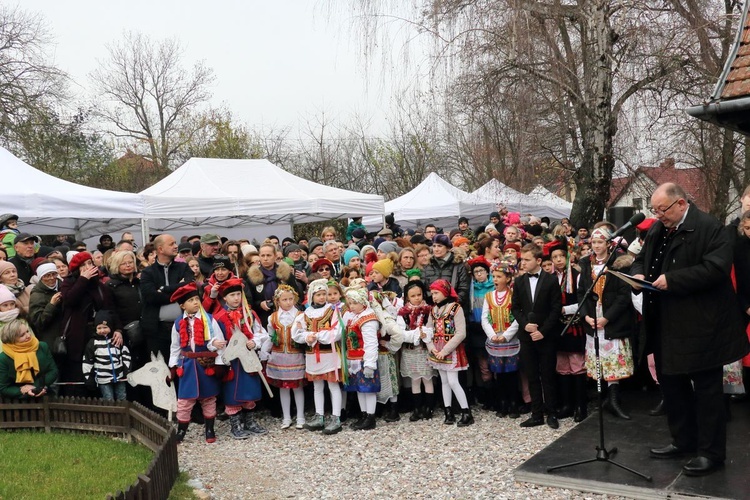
(547, 305)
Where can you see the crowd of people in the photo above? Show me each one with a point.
(368, 322)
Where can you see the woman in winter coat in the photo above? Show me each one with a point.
(45, 304)
(446, 265)
(124, 286)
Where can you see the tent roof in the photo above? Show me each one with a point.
(543, 194)
(48, 205)
(230, 193)
(515, 201)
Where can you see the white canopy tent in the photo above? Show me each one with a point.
(216, 195)
(48, 205)
(516, 201)
(435, 201)
(543, 194)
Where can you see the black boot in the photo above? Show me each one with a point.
(237, 430)
(450, 418)
(417, 414)
(429, 405)
(182, 428)
(614, 402)
(566, 393)
(466, 418)
(513, 411)
(391, 412)
(369, 422)
(357, 425)
(582, 400)
(210, 434)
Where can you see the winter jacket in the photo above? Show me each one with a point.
(45, 378)
(452, 269)
(617, 306)
(82, 297)
(104, 362)
(155, 292)
(45, 317)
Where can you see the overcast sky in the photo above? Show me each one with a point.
(276, 62)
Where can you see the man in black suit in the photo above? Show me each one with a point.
(537, 306)
(690, 325)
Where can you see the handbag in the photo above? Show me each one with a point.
(59, 348)
(134, 334)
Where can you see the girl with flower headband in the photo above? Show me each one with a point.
(286, 363)
(318, 329)
(446, 348)
(500, 328)
(612, 307)
(361, 346)
(197, 341)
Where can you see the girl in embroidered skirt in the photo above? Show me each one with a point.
(615, 319)
(447, 352)
(318, 328)
(412, 319)
(196, 338)
(362, 355)
(502, 345)
(286, 364)
(241, 389)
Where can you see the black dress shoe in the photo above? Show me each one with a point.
(669, 451)
(532, 422)
(701, 466)
(552, 422)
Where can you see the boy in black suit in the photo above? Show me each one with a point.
(537, 306)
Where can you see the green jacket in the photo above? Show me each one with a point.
(45, 378)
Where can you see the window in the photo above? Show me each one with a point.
(638, 203)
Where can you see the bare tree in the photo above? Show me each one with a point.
(147, 96)
(27, 81)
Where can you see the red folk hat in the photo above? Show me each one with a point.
(231, 285)
(182, 294)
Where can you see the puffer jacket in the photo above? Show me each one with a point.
(453, 269)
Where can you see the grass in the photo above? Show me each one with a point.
(180, 490)
(35, 465)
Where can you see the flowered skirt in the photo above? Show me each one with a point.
(616, 356)
(359, 383)
(733, 383)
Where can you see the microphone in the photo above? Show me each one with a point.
(634, 221)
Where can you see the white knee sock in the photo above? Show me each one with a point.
(299, 401)
(445, 387)
(320, 398)
(286, 403)
(458, 390)
(371, 401)
(428, 387)
(335, 389)
(361, 401)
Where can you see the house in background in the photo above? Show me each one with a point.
(635, 190)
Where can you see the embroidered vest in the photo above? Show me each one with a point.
(284, 342)
(445, 327)
(355, 344)
(499, 310)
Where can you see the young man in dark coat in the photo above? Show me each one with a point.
(690, 324)
(537, 307)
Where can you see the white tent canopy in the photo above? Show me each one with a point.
(211, 194)
(543, 194)
(435, 201)
(515, 201)
(48, 205)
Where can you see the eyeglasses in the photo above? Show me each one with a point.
(324, 269)
(659, 211)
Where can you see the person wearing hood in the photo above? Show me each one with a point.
(45, 304)
(8, 232)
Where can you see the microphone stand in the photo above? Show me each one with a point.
(602, 454)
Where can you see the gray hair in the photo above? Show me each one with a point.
(116, 259)
(10, 332)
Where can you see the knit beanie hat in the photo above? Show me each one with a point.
(349, 255)
(246, 248)
(388, 247)
(364, 251)
(6, 295)
(442, 239)
(69, 256)
(47, 268)
(315, 287)
(384, 267)
(79, 259)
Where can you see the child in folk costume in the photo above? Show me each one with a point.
(286, 364)
(241, 389)
(412, 320)
(362, 355)
(447, 352)
(571, 346)
(502, 345)
(615, 319)
(196, 338)
(222, 272)
(318, 328)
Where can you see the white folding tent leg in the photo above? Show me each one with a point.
(144, 230)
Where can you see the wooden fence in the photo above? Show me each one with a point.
(94, 416)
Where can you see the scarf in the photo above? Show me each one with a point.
(24, 358)
(480, 290)
(8, 316)
(270, 281)
(237, 319)
(18, 288)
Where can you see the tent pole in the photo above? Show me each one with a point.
(144, 231)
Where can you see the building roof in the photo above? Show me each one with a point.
(690, 179)
(729, 105)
